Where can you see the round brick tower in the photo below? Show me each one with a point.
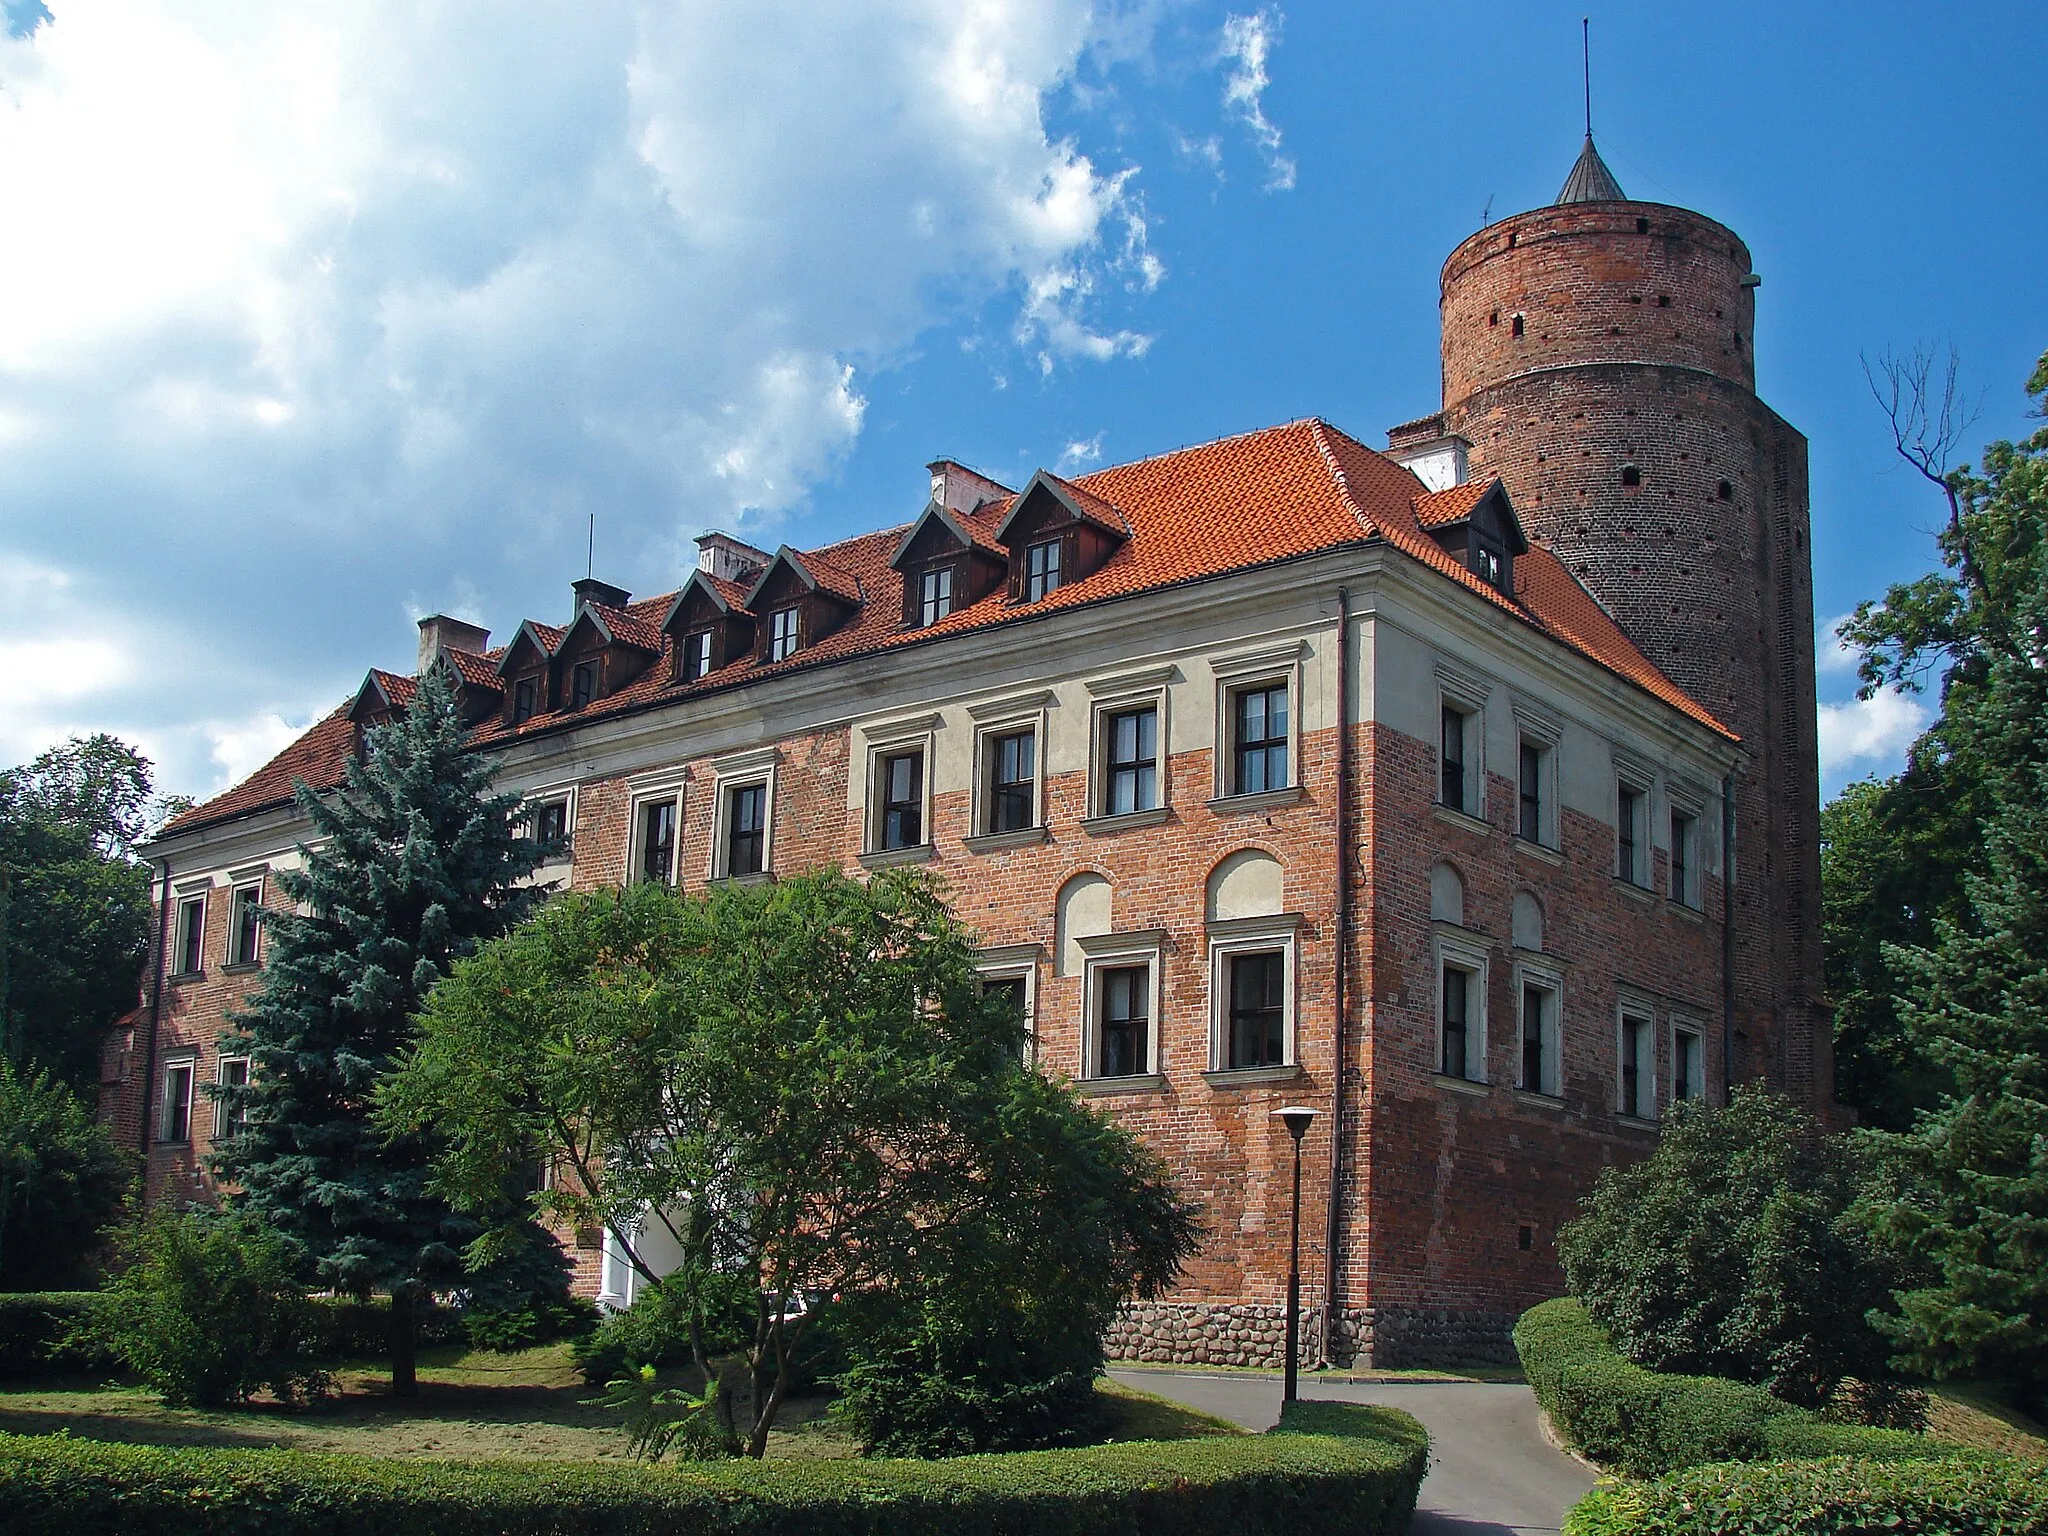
(1598, 355)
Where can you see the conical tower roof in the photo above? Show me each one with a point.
(1590, 180)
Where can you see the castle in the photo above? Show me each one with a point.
(1465, 791)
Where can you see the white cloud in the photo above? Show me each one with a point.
(241, 747)
(1248, 41)
(310, 305)
(1870, 733)
(1081, 453)
(1831, 656)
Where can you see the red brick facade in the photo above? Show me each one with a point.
(1443, 1188)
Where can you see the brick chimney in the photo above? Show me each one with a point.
(723, 556)
(961, 489)
(591, 590)
(1435, 456)
(440, 633)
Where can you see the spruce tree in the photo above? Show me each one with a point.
(413, 864)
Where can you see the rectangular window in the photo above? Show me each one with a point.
(176, 1124)
(245, 924)
(1682, 828)
(1454, 1058)
(190, 935)
(1041, 569)
(1259, 732)
(1258, 1000)
(522, 701)
(935, 594)
(1012, 781)
(1123, 1044)
(229, 1118)
(1451, 760)
(582, 684)
(1014, 995)
(551, 822)
(900, 779)
(781, 634)
(658, 841)
(1688, 1065)
(1536, 1064)
(1529, 823)
(1628, 822)
(746, 828)
(696, 660)
(1638, 1068)
(1132, 783)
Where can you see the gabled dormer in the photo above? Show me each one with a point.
(384, 697)
(479, 692)
(798, 601)
(524, 671)
(1476, 525)
(708, 626)
(1056, 534)
(604, 649)
(949, 560)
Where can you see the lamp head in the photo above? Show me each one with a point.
(1296, 1117)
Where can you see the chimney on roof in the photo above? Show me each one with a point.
(960, 489)
(440, 633)
(1434, 456)
(725, 557)
(591, 590)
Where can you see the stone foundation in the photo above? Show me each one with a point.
(1369, 1338)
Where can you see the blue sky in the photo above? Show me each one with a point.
(317, 318)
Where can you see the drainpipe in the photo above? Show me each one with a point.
(1332, 1302)
(156, 1009)
(1727, 937)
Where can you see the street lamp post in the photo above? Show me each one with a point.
(1296, 1117)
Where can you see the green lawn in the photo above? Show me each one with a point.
(472, 1405)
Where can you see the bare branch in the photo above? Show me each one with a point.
(1926, 429)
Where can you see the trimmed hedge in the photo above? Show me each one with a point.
(1969, 1495)
(1345, 1469)
(1645, 1422)
(33, 1329)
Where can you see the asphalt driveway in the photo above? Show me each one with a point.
(1491, 1472)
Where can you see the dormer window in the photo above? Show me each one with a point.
(524, 693)
(582, 684)
(1041, 569)
(1490, 563)
(782, 634)
(695, 660)
(934, 595)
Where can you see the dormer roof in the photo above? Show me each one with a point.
(727, 597)
(474, 669)
(383, 692)
(1085, 505)
(544, 638)
(618, 627)
(815, 574)
(1461, 503)
(971, 530)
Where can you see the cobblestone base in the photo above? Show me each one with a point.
(1379, 1338)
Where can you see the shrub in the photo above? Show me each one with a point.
(655, 1331)
(1648, 1422)
(208, 1309)
(62, 1182)
(38, 1336)
(537, 1322)
(1342, 1468)
(1965, 1496)
(359, 1327)
(1731, 1251)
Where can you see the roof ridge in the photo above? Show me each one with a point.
(1317, 430)
(1214, 442)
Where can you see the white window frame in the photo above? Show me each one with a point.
(238, 882)
(1690, 803)
(1535, 729)
(946, 605)
(186, 1062)
(1246, 672)
(689, 644)
(1230, 938)
(1466, 695)
(1541, 976)
(1458, 949)
(776, 648)
(666, 786)
(1633, 1007)
(1119, 695)
(563, 795)
(1116, 951)
(1696, 1087)
(1008, 717)
(221, 1132)
(188, 899)
(737, 772)
(1016, 962)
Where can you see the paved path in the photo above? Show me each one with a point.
(1491, 1472)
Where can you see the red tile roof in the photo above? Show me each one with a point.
(478, 671)
(1439, 509)
(1229, 505)
(629, 628)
